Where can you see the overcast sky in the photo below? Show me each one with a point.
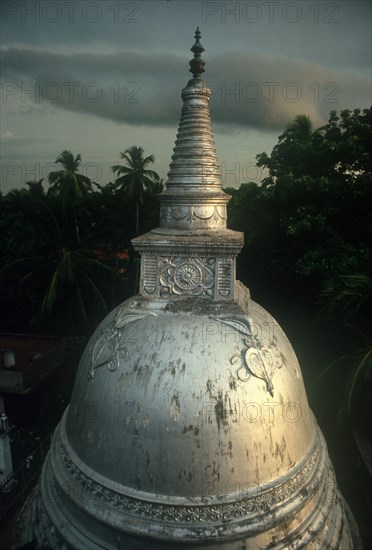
(96, 77)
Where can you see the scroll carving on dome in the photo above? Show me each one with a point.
(257, 359)
(187, 276)
(110, 345)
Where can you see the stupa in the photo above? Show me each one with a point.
(189, 425)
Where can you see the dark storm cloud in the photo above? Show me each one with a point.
(24, 61)
(250, 90)
(125, 87)
(339, 31)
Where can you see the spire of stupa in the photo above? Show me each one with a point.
(193, 198)
(197, 64)
(192, 253)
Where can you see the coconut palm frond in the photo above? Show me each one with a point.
(133, 177)
(362, 363)
(347, 294)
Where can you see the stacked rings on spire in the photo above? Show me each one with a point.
(194, 198)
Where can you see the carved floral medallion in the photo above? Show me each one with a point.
(187, 276)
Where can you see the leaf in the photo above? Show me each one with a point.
(261, 364)
(105, 352)
(241, 325)
(124, 318)
(358, 368)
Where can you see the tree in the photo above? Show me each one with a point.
(300, 128)
(111, 222)
(347, 302)
(155, 186)
(340, 150)
(297, 153)
(67, 284)
(151, 204)
(349, 145)
(70, 185)
(134, 177)
(36, 189)
(319, 181)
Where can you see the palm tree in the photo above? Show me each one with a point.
(347, 295)
(300, 128)
(156, 186)
(299, 150)
(133, 177)
(68, 284)
(36, 189)
(72, 185)
(69, 184)
(348, 298)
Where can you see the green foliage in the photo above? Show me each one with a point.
(340, 150)
(67, 286)
(312, 215)
(348, 295)
(67, 182)
(64, 251)
(151, 204)
(309, 220)
(308, 231)
(347, 301)
(133, 177)
(298, 152)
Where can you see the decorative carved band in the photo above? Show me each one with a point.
(190, 276)
(204, 217)
(225, 511)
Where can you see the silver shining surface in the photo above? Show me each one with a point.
(193, 198)
(189, 425)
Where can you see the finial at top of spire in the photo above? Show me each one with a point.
(197, 64)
